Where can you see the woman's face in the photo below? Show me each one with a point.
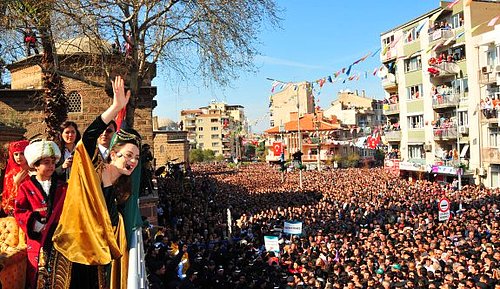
(19, 158)
(69, 135)
(125, 159)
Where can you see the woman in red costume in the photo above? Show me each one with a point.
(16, 173)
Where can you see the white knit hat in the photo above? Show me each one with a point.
(40, 149)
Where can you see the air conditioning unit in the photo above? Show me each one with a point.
(486, 69)
(428, 148)
(463, 130)
(481, 172)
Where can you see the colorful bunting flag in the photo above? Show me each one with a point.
(376, 51)
(453, 4)
(493, 21)
(348, 70)
(330, 79)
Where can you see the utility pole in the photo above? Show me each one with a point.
(299, 136)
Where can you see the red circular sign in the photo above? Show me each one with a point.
(444, 205)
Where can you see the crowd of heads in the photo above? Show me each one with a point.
(362, 228)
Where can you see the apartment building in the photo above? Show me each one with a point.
(218, 127)
(352, 109)
(487, 46)
(430, 75)
(293, 97)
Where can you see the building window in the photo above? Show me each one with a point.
(200, 136)
(162, 149)
(200, 128)
(388, 40)
(416, 151)
(212, 120)
(494, 137)
(271, 123)
(214, 128)
(74, 102)
(457, 20)
(463, 118)
(416, 121)
(215, 136)
(199, 120)
(458, 53)
(413, 64)
(215, 144)
(414, 92)
(200, 145)
(460, 85)
(492, 55)
(411, 35)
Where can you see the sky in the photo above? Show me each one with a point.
(315, 39)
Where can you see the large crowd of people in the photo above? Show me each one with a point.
(362, 228)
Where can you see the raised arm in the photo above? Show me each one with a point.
(120, 100)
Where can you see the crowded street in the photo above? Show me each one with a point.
(362, 228)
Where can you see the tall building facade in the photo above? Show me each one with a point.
(293, 97)
(352, 109)
(430, 74)
(217, 127)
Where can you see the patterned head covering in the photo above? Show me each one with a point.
(40, 149)
(15, 147)
(126, 135)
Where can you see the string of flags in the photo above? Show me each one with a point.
(348, 73)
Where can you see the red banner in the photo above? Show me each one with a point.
(277, 148)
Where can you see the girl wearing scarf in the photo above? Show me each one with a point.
(16, 172)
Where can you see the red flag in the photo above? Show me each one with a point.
(277, 148)
(120, 117)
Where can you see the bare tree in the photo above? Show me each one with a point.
(211, 38)
(17, 16)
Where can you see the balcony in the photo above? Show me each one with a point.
(390, 54)
(310, 158)
(392, 108)
(389, 81)
(393, 135)
(440, 101)
(448, 133)
(190, 124)
(487, 76)
(491, 155)
(443, 69)
(443, 34)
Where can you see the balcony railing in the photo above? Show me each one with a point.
(393, 135)
(491, 155)
(445, 133)
(389, 81)
(444, 101)
(390, 53)
(444, 69)
(392, 108)
(444, 34)
(487, 77)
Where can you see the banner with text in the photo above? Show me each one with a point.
(272, 245)
(293, 228)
